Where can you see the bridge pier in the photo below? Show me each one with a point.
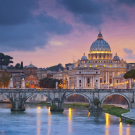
(17, 101)
(57, 105)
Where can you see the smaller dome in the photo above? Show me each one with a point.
(116, 58)
(84, 57)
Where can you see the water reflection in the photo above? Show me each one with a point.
(107, 124)
(49, 121)
(88, 114)
(128, 130)
(69, 120)
(120, 128)
(38, 120)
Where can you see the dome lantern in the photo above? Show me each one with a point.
(100, 35)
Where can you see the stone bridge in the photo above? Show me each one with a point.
(18, 97)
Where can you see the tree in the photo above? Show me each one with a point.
(49, 82)
(130, 74)
(5, 79)
(1, 58)
(18, 66)
(5, 59)
(96, 102)
(21, 65)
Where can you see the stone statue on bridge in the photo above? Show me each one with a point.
(56, 85)
(95, 85)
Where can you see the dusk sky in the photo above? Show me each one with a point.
(49, 32)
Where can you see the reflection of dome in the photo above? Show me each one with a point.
(84, 57)
(116, 58)
(100, 44)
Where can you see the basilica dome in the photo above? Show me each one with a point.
(84, 57)
(116, 58)
(100, 44)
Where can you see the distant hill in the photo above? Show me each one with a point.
(56, 68)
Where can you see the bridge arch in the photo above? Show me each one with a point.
(31, 95)
(125, 97)
(82, 94)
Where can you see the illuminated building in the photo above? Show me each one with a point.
(111, 68)
(99, 58)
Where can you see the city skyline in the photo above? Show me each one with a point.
(29, 36)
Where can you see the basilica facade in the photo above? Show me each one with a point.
(99, 66)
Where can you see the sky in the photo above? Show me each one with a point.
(49, 32)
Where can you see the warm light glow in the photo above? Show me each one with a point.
(104, 65)
(96, 65)
(49, 121)
(120, 128)
(115, 66)
(38, 107)
(128, 130)
(107, 123)
(107, 120)
(88, 114)
(90, 66)
(100, 52)
(38, 120)
(49, 112)
(110, 66)
(69, 120)
(85, 66)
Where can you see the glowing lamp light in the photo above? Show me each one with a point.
(38, 107)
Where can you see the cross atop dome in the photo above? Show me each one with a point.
(100, 35)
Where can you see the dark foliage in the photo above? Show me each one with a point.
(49, 82)
(56, 68)
(96, 102)
(5, 59)
(130, 74)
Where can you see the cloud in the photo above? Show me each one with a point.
(88, 11)
(129, 54)
(21, 30)
(127, 2)
(95, 12)
(16, 11)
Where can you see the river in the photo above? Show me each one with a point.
(38, 120)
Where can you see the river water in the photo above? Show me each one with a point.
(38, 120)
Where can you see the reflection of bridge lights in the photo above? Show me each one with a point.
(69, 120)
(38, 120)
(128, 130)
(88, 114)
(38, 107)
(49, 112)
(119, 119)
(107, 120)
(49, 120)
(120, 128)
(107, 123)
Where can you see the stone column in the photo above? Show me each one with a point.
(90, 82)
(93, 82)
(85, 82)
(106, 79)
(102, 80)
(77, 83)
(112, 78)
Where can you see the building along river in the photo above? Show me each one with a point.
(38, 120)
